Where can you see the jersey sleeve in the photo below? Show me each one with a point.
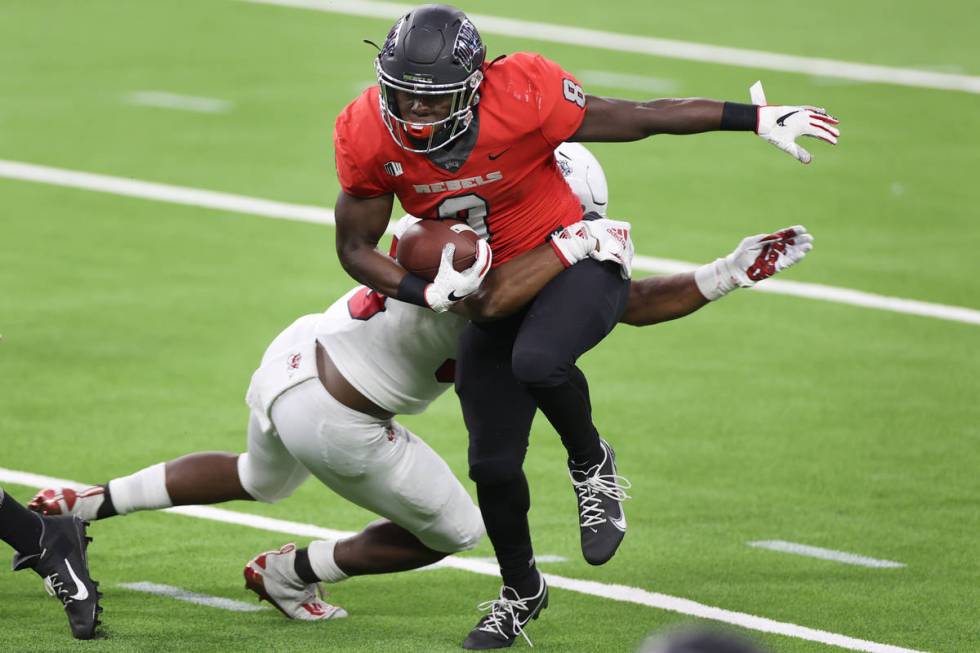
(353, 167)
(561, 101)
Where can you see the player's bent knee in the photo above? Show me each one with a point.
(495, 471)
(538, 367)
(471, 535)
(265, 485)
(459, 528)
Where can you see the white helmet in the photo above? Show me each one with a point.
(584, 174)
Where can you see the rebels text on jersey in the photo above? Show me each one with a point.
(509, 188)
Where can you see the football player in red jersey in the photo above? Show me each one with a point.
(453, 136)
(375, 359)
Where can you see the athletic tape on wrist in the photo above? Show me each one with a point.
(713, 281)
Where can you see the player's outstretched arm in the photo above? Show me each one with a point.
(615, 120)
(659, 299)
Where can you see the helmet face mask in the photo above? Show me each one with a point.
(433, 51)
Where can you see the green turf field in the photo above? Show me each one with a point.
(130, 328)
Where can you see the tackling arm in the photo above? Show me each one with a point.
(660, 299)
(512, 285)
(515, 283)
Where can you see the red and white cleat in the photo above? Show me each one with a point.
(271, 575)
(66, 501)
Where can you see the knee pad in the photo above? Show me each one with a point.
(539, 367)
(471, 533)
(267, 485)
(459, 527)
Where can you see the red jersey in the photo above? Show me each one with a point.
(509, 188)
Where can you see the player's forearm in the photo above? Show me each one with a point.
(611, 119)
(660, 299)
(366, 265)
(513, 285)
(677, 116)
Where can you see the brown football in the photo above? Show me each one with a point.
(420, 247)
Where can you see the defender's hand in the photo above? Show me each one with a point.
(756, 258)
(613, 243)
(782, 125)
(451, 286)
(572, 243)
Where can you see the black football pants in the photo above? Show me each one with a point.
(508, 369)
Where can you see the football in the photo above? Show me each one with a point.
(420, 247)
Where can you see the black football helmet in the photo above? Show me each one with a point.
(433, 50)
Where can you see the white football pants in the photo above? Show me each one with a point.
(297, 428)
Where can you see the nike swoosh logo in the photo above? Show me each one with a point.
(494, 157)
(81, 592)
(453, 297)
(780, 120)
(619, 523)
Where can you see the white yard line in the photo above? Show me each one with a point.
(192, 597)
(546, 558)
(165, 100)
(623, 593)
(304, 213)
(164, 192)
(825, 554)
(669, 48)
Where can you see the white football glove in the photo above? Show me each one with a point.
(602, 239)
(782, 125)
(756, 258)
(451, 286)
(613, 243)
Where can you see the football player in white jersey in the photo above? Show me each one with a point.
(325, 395)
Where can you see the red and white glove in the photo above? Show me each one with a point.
(602, 239)
(756, 258)
(613, 243)
(782, 125)
(451, 286)
(573, 243)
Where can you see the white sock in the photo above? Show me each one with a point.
(323, 563)
(144, 490)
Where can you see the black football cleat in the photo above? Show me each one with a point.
(600, 492)
(506, 618)
(63, 564)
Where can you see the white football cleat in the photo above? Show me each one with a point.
(271, 575)
(84, 504)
